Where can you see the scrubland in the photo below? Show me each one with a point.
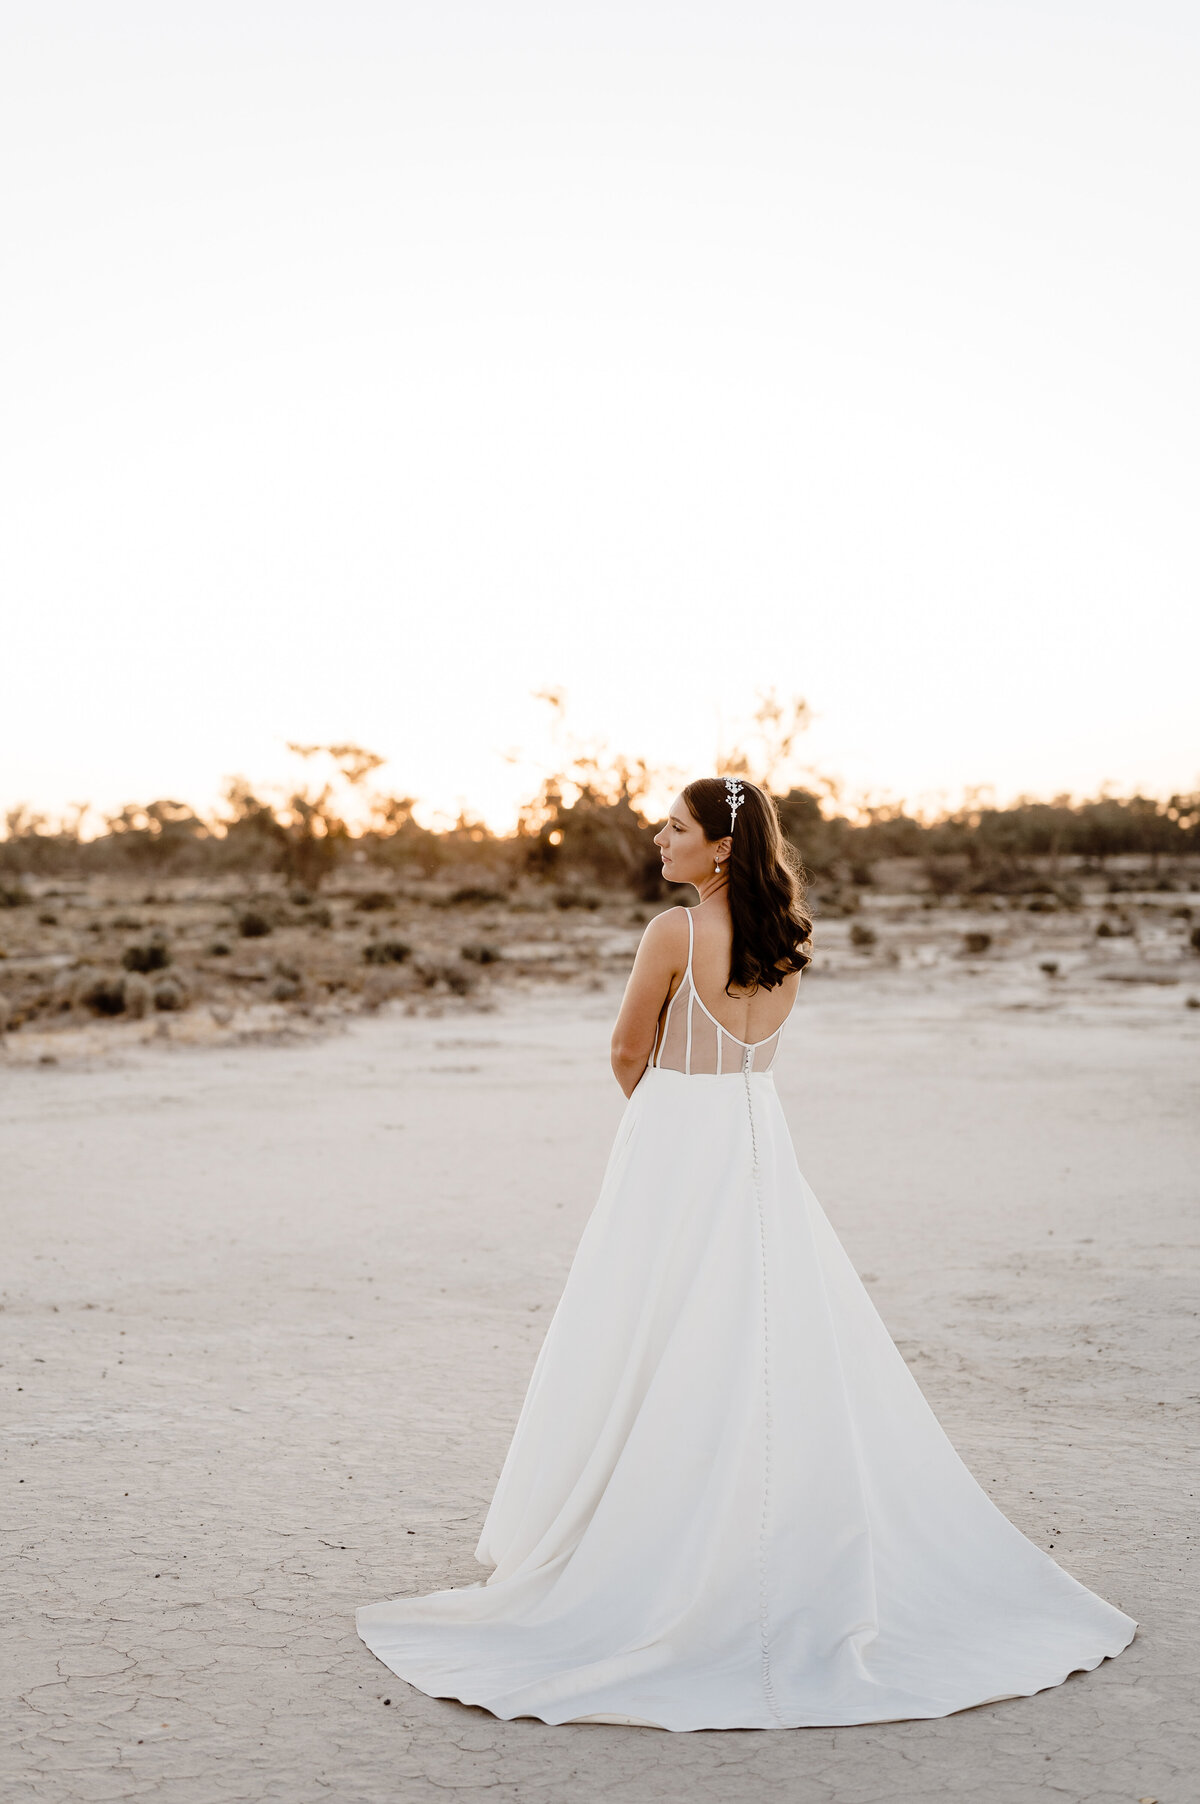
(103, 960)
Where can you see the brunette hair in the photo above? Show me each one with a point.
(767, 886)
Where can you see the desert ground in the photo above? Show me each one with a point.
(274, 1283)
(105, 961)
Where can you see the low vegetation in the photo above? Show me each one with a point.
(276, 909)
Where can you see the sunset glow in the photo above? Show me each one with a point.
(378, 368)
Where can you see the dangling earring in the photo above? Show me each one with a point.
(717, 869)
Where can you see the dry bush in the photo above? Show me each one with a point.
(386, 952)
(864, 937)
(577, 898)
(457, 978)
(153, 955)
(470, 894)
(975, 944)
(104, 994)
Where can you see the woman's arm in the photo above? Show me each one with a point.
(661, 954)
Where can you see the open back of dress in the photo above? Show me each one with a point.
(693, 1040)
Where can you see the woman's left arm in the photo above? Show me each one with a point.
(658, 959)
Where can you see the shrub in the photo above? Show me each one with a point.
(285, 989)
(457, 978)
(1194, 939)
(320, 917)
(386, 952)
(865, 937)
(373, 901)
(482, 954)
(169, 995)
(975, 944)
(48, 918)
(477, 893)
(1049, 966)
(219, 949)
(1042, 905)
(252, 925)
(576, 898)
(13, 896)
(105, 996)
(154, 955)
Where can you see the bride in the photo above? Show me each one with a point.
(726, 1503)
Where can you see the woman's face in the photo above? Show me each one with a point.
(687, 857)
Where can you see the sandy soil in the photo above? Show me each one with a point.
(269, 1312)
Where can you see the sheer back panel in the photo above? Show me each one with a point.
(694, 1042)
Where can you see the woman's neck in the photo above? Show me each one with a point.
(712, 886)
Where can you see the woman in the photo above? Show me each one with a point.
(726, 1503)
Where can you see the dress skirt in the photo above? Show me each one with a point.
(726, 1503)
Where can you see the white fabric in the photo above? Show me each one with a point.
(726, 1503)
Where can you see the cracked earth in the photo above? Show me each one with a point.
(268, 1317)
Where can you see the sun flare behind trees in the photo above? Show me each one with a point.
(591, 820)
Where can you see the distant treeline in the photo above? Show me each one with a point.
(600, 835)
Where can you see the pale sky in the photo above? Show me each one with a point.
(368, 367)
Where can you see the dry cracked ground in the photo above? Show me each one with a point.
(268, 1317)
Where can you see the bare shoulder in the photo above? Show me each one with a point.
(666, 936)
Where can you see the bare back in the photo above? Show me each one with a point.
(705, 1031)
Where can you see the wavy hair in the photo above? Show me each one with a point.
(767, 885)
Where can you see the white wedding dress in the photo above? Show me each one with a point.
(726, 1503)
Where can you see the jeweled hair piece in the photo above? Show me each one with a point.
(736, 798)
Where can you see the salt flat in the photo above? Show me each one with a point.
(269, 1312)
